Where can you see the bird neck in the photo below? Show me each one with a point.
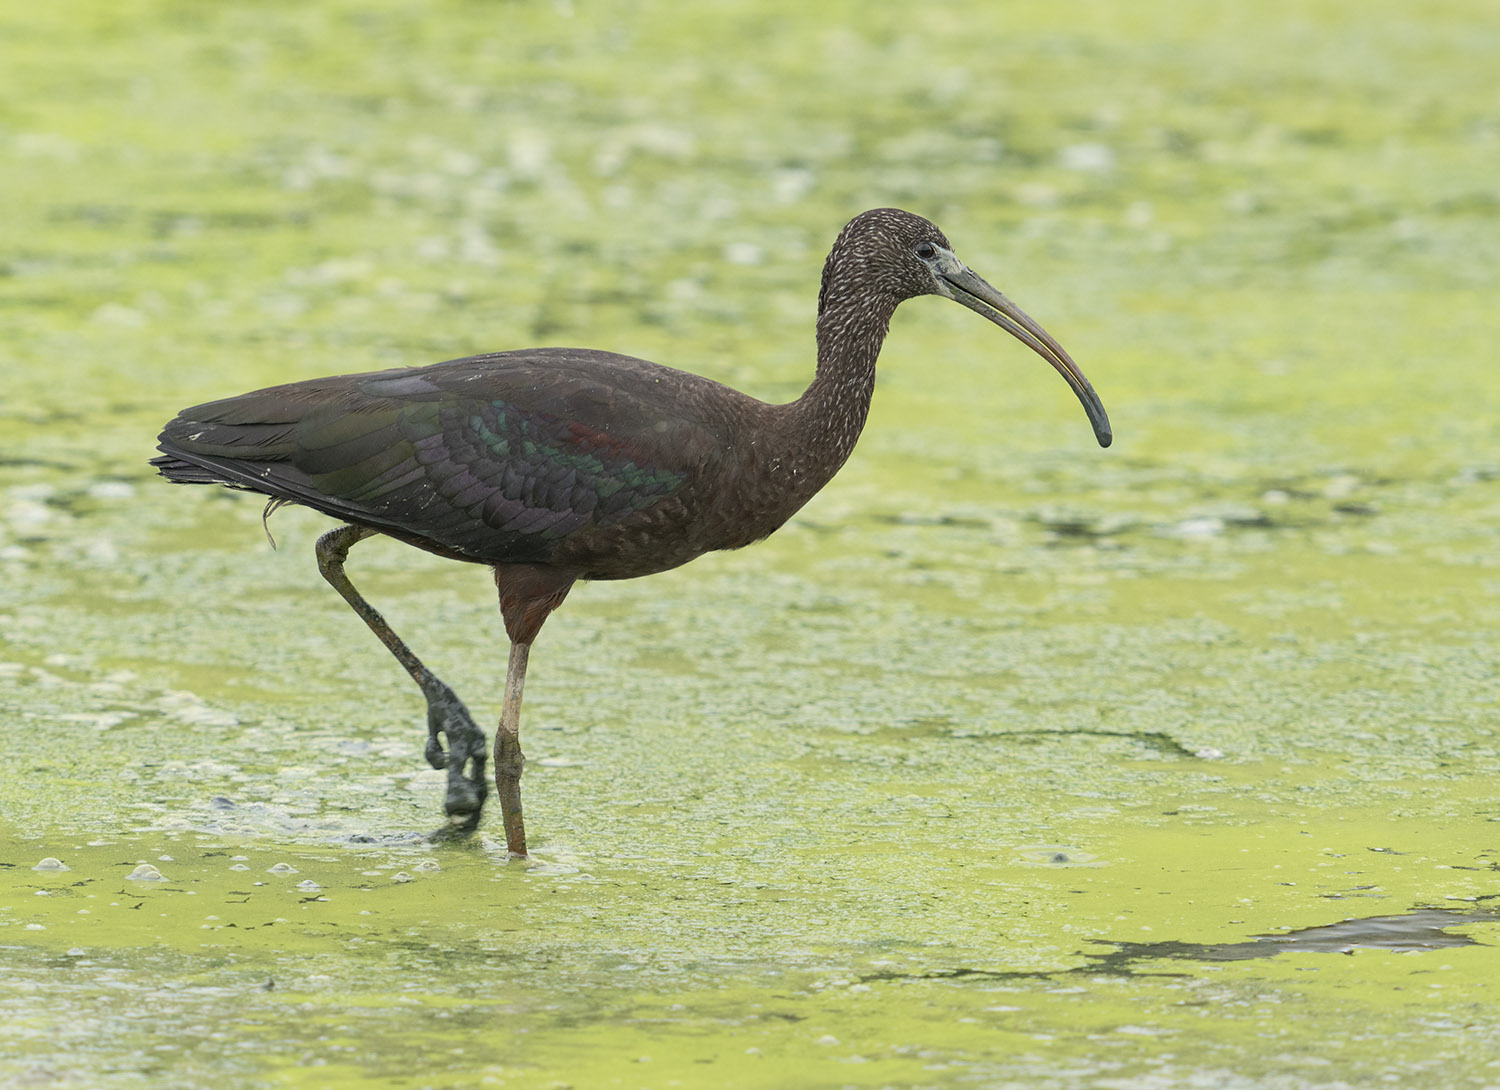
(796, 448)
(829, 416)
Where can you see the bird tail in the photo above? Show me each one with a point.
(178, 471)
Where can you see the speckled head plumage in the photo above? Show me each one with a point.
(876, 254)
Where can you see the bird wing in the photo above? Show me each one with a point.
(492, 458)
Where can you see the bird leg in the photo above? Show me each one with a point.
(528, 595)
(509, 760)
(446, 714)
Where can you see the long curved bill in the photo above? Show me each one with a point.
(970, 289)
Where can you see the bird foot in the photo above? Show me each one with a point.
(464, 757)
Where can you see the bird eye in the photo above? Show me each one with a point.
(926, 251)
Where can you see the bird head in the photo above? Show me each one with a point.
(902, 255)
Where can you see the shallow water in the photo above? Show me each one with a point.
(1009, 762)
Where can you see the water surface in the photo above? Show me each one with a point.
(1009, 762)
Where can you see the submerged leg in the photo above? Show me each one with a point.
(446, 714)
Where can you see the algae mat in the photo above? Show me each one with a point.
(1009, 763)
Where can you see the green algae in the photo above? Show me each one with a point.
(957, 780)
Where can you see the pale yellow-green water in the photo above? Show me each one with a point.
(988, 770)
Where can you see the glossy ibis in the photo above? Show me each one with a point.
(558, 464)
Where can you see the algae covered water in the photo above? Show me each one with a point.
(1009, 762)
